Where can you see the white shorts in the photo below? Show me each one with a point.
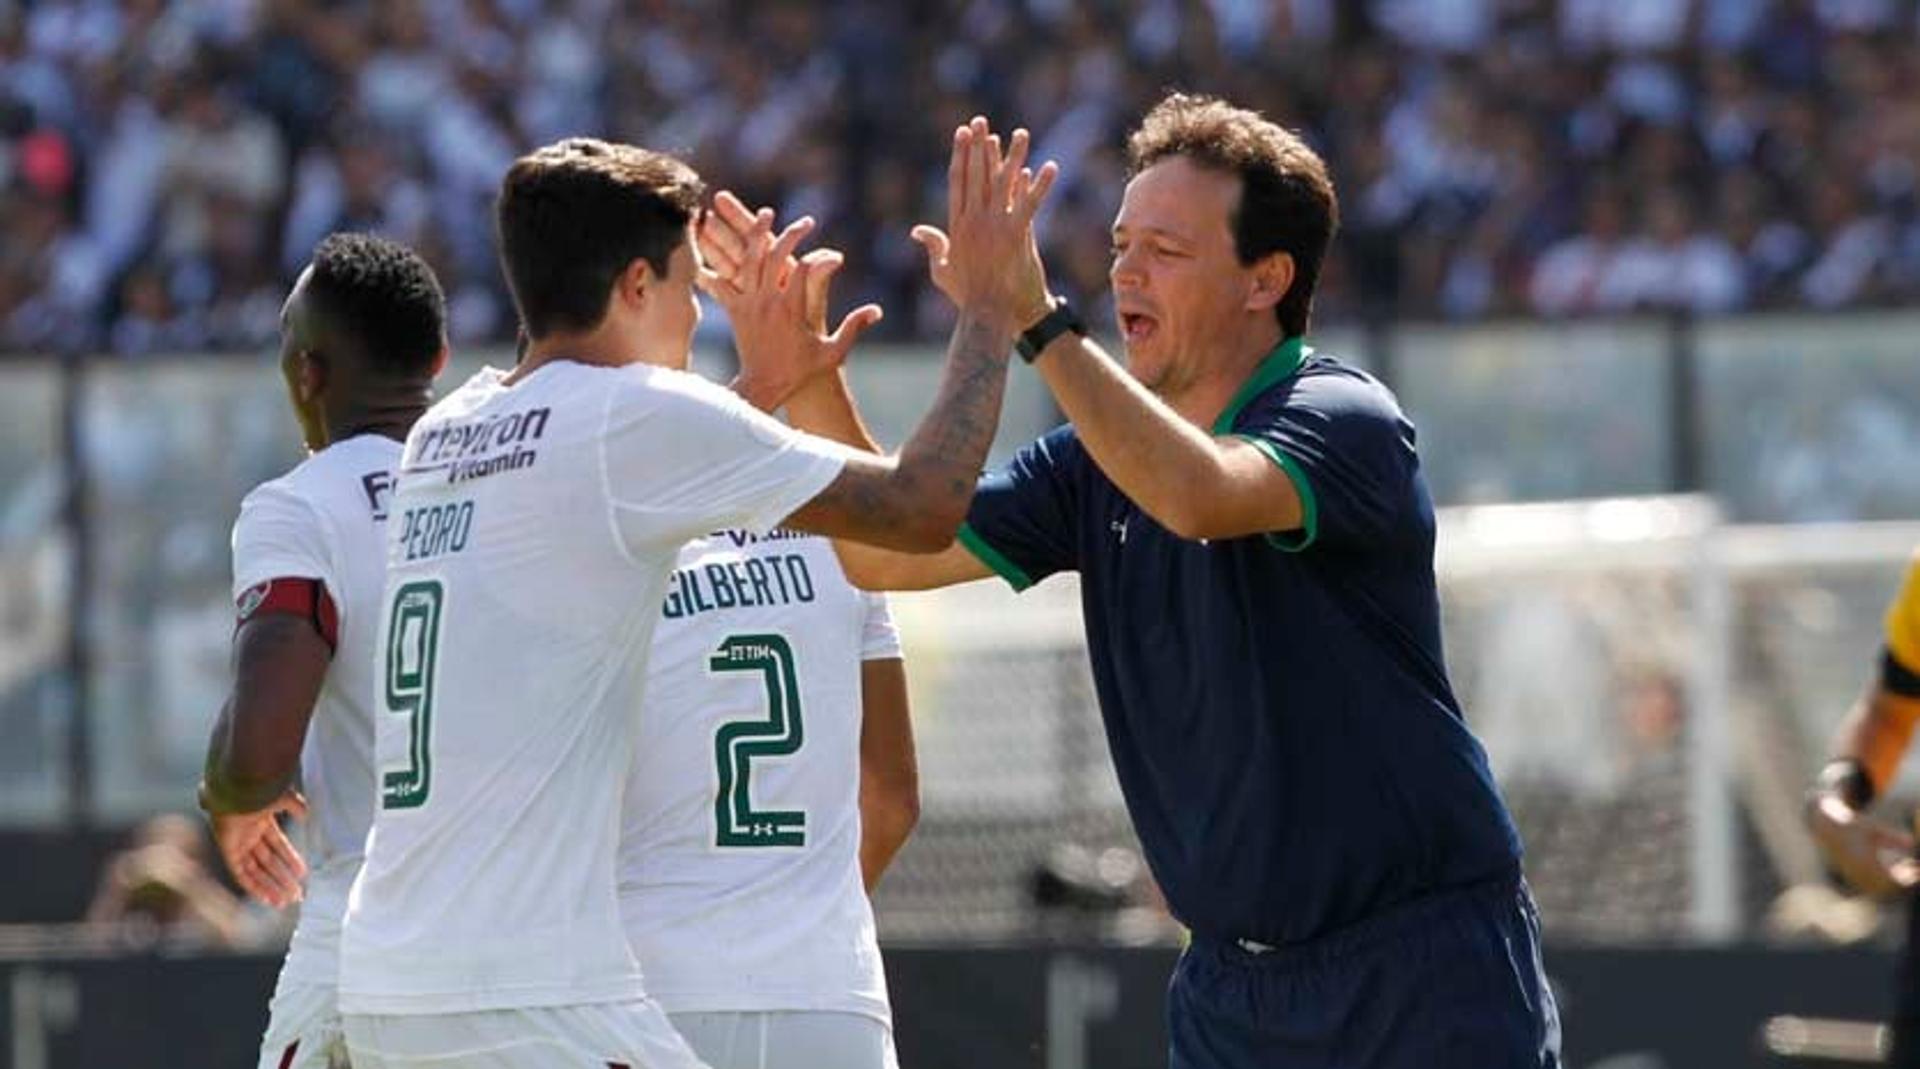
(303, 1028)
(808, 1039)
(607, 1035)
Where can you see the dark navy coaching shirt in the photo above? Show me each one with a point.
(1279, 714)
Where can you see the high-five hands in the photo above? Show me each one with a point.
(987, 261)
(776, 302)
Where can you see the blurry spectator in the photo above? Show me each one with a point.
(1771, 247)
(353, 182)
(407, 73)
(1624, 25)
(1571, 278)
(1850, 247)
(1502, 154)
(1673, 265)
(161, 889)
(56, 269)
(218, 149)
(147, 322)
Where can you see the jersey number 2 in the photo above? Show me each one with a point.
(738, 742)
(413, 644)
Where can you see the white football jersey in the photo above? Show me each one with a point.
(740, 849)
(326, 520)
(534, 528)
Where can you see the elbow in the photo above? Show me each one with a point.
(928, 530)
(1186, 516)
(925, 538)
(899, 811)
(906, 810)
(1184, 527)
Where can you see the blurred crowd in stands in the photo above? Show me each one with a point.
(167, 166)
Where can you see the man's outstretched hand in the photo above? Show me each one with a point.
(987, 261)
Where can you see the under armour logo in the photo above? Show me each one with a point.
(1119, 527)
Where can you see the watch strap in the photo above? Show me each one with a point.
(1060, 320)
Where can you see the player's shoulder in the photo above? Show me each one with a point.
(1058, 448)
(479, 389)
(342, 473)
(646, 384)
(625, 393)
(1326, 386)
(288, 495)
(347, 479)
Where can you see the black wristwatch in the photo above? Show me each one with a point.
(1055, 323)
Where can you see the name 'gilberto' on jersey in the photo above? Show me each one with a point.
(774, 579)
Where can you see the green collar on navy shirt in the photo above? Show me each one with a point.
(1283, 361)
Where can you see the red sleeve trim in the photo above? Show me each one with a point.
(298, 597)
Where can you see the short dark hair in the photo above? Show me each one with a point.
(1286, 198)
(573, 215)
(384, 296)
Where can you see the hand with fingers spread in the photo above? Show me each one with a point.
(987, 260)
(776, 302)
(263, 861)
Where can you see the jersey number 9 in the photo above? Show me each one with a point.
(413, 642)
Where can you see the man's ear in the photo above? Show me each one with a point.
(636, 283)
(440, 359)
(311, 375)
(1272, 278)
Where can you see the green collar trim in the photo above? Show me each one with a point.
(1281, 363)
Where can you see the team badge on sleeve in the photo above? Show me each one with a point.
(252, 599)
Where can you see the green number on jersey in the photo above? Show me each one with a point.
(738, 742)
(413, 645)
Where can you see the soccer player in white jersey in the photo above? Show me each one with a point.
(537, 517)
(774, 781)
(362, 337)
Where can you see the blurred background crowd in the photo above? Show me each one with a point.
(168, 165)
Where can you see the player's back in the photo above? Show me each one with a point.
(739, 857)
(534, 525)
(325, 520)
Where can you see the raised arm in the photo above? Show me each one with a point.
(1194, 484)
(916, 501)
(824, 406)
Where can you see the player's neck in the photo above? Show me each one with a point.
(1202, 403)
(391, 417)
(600, 347)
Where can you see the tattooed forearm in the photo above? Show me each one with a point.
(918, 501)
(960, 426)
